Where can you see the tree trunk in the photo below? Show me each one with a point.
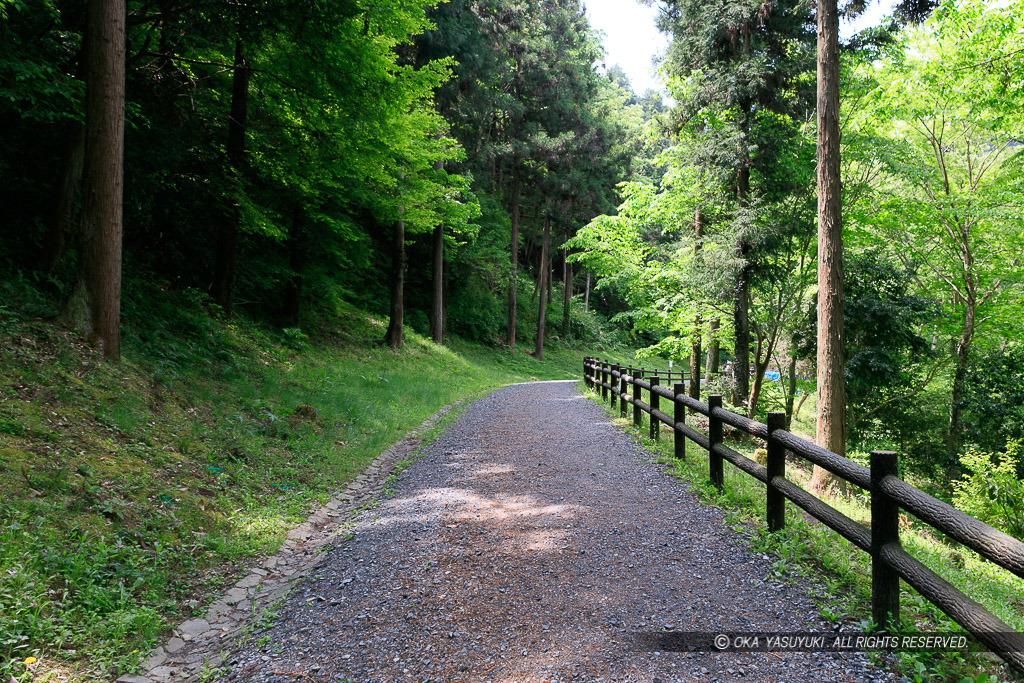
(222, 288)
(513, 258)
(741, 301)
(62, 219)
(296, 260)
(63, 216)
(586, 295)
(437, 294)
(545, 273)
(698, 324)
(741, 327)
(550, 275)
(963, 350)
(712, 362)
(444, 299)
(760, 367)
(566, 294)
(393, 337)
(791, 393)
(831, 377)
(799, 405)
(95, 302)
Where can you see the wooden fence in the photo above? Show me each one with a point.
(889, 494)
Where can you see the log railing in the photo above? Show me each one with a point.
(888, 493)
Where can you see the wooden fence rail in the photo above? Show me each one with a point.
(888, 493)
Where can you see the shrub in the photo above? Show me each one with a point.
(990, 489)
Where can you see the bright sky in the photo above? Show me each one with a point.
(872, 16)
(632, 40)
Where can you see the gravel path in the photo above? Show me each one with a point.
(530, 544)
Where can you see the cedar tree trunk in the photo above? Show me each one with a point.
(712, 362)
(95, 302)
(545, 273)
(830, 380)
(566, 293)
(223, 285)
(513, 258)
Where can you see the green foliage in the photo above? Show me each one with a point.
(993, 402)
(991, 489)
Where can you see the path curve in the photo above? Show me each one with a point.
(529, 544)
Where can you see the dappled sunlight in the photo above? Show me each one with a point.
(493, 469)
(548, 540)
(566, 658)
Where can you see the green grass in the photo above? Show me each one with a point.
(132, 494)
(840, 571)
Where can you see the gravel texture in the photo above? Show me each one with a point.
(532, 543)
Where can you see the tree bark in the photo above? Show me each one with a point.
(586, 295)
(437, 282)
(698, 324)
(437, 279)
(550, 276)
(95, 302)
(296, 261)
(963, 350)
(566, 294)
(712, 361)
(830, 366)
(393, 337)
(791, 393)
(799, 405)
(513, 256)
(545, 273)
(741, 302)
(223, 285)
(762, 359)
(741, 328)
(63, 216)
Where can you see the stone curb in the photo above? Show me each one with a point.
(205, 643)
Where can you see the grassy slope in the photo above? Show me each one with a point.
(131, 494)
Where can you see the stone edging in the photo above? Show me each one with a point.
(205, 643)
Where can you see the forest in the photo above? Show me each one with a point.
(467, 189)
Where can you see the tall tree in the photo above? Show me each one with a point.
(943, 125)
(437, 285)
(831, 433)
(223, 285)
(737, 70)
(393, 336)
(566, 293)
(95, 302)
(544, 272)
(695, 338)
(513, 278)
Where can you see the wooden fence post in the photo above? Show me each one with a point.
(655, 405)
(679, 408)
(615, 383)
(638, 393)
(885, 529)
(776, 465)
(715, 437)
(623, 392)
(586, 377)
(604, 380)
